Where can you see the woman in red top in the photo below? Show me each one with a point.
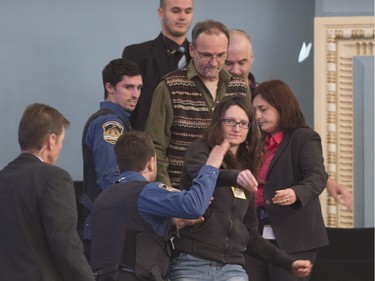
(290, 180)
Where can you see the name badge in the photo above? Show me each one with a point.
(268, 233)
(238, 192)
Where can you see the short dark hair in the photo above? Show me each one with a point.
(280, 96)
(209, 27)
(37, 122)
(133, 149)
(114, 71)
(249, 155)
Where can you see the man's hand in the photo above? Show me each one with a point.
(246, 180)
(217, 154)
(340, 193)
(181, 223)
(301, 268)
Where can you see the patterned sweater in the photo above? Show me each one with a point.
(192, 115)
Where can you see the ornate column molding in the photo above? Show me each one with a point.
(337, 40)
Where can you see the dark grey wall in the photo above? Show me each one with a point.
(342, 8)
(363, 100)
(53, 51)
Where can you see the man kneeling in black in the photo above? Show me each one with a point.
(133, 225)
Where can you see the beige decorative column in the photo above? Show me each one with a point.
(337, 40)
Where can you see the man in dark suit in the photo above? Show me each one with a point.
(38, 215)
(167, 52)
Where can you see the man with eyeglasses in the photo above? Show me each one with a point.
(183, 102)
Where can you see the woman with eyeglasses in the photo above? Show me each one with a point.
(290, 180)
(214, 249)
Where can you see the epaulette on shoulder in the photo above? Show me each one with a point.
(168, 188)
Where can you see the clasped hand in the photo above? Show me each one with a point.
(246, 180)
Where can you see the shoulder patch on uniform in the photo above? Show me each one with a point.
(168, 188)
(112, 130)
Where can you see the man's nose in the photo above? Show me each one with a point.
(236, 70)
(136, 93)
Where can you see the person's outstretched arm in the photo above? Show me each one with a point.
(340, 193)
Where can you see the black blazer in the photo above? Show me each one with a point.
(297, 164)
(38, 218)
(153, 57)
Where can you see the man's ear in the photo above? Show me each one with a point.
(108, 88)
(51, 141)
(191, 50)
(151, 164)
(161, 13)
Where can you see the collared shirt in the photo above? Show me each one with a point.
(121, 113)
(271, 144)
(37, 156)
(224, 79)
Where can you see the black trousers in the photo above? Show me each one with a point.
(260, 270)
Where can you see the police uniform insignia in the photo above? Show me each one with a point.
(111, 131)
(168, 188)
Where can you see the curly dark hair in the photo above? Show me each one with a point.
(249, 154)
